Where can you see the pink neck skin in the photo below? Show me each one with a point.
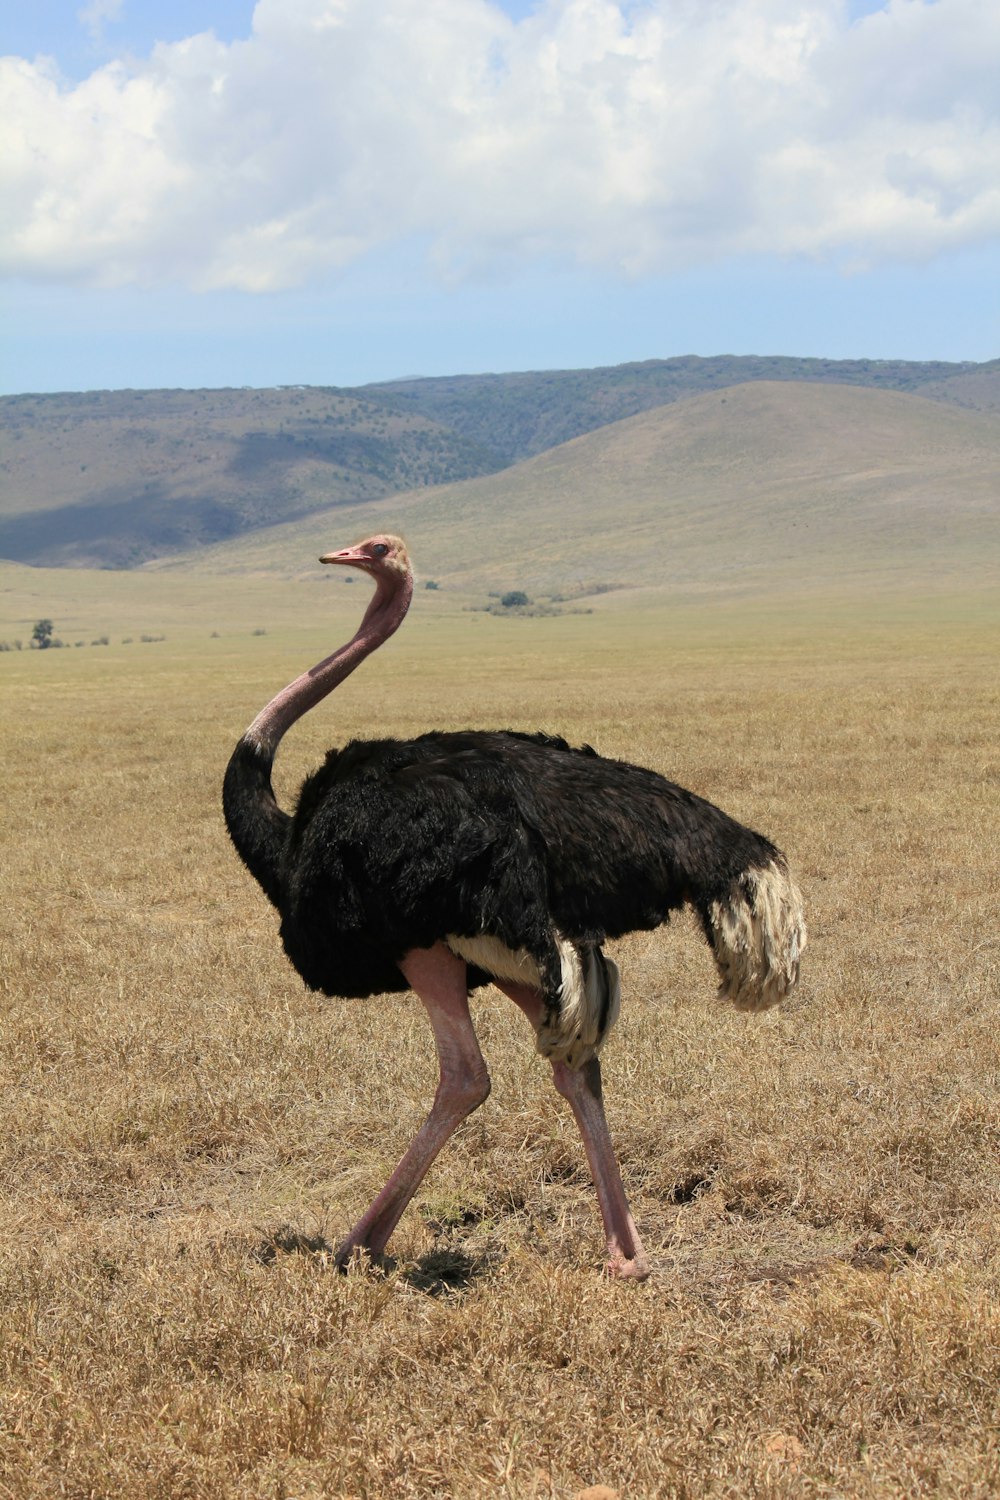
(384, 615)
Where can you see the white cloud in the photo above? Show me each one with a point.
(641, 137)
(97, 13)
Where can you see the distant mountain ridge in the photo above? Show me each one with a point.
(518, 415)
(116, 478)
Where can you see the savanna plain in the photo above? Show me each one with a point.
(185, 1125)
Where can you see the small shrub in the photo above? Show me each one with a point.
(214, 636)
(258, 631)
(126, 640)
(514, 599)
(102, 640)
(431, 584)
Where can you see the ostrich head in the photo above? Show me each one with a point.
(384, 557)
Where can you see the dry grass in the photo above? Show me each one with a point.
(818, 1189)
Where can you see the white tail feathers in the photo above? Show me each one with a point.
(758, 933)
(589, 1002)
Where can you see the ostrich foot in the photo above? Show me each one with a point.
(622, 1267)
(352, 1254)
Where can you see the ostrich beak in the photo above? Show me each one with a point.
(352, 556)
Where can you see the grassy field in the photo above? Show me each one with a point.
(818, 1188)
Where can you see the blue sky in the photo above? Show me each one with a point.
(337, 191)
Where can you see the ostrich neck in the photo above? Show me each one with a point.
(383, 617)
(257, 825)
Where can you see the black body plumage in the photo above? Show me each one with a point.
(395, 845)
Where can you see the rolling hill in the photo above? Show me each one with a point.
(115, 478)
(112, 478)
(754, 489)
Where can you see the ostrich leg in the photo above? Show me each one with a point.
(438, 978)
(582, 1087)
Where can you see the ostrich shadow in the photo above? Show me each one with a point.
(440, 1271)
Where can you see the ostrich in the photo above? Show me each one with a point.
(456, 859)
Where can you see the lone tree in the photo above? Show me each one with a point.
(42, 634)
(515, 599)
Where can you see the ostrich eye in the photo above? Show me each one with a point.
(380, 549)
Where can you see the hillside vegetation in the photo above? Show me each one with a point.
(521, 414)
(757, 489)
(114, 478)
(111, 478)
